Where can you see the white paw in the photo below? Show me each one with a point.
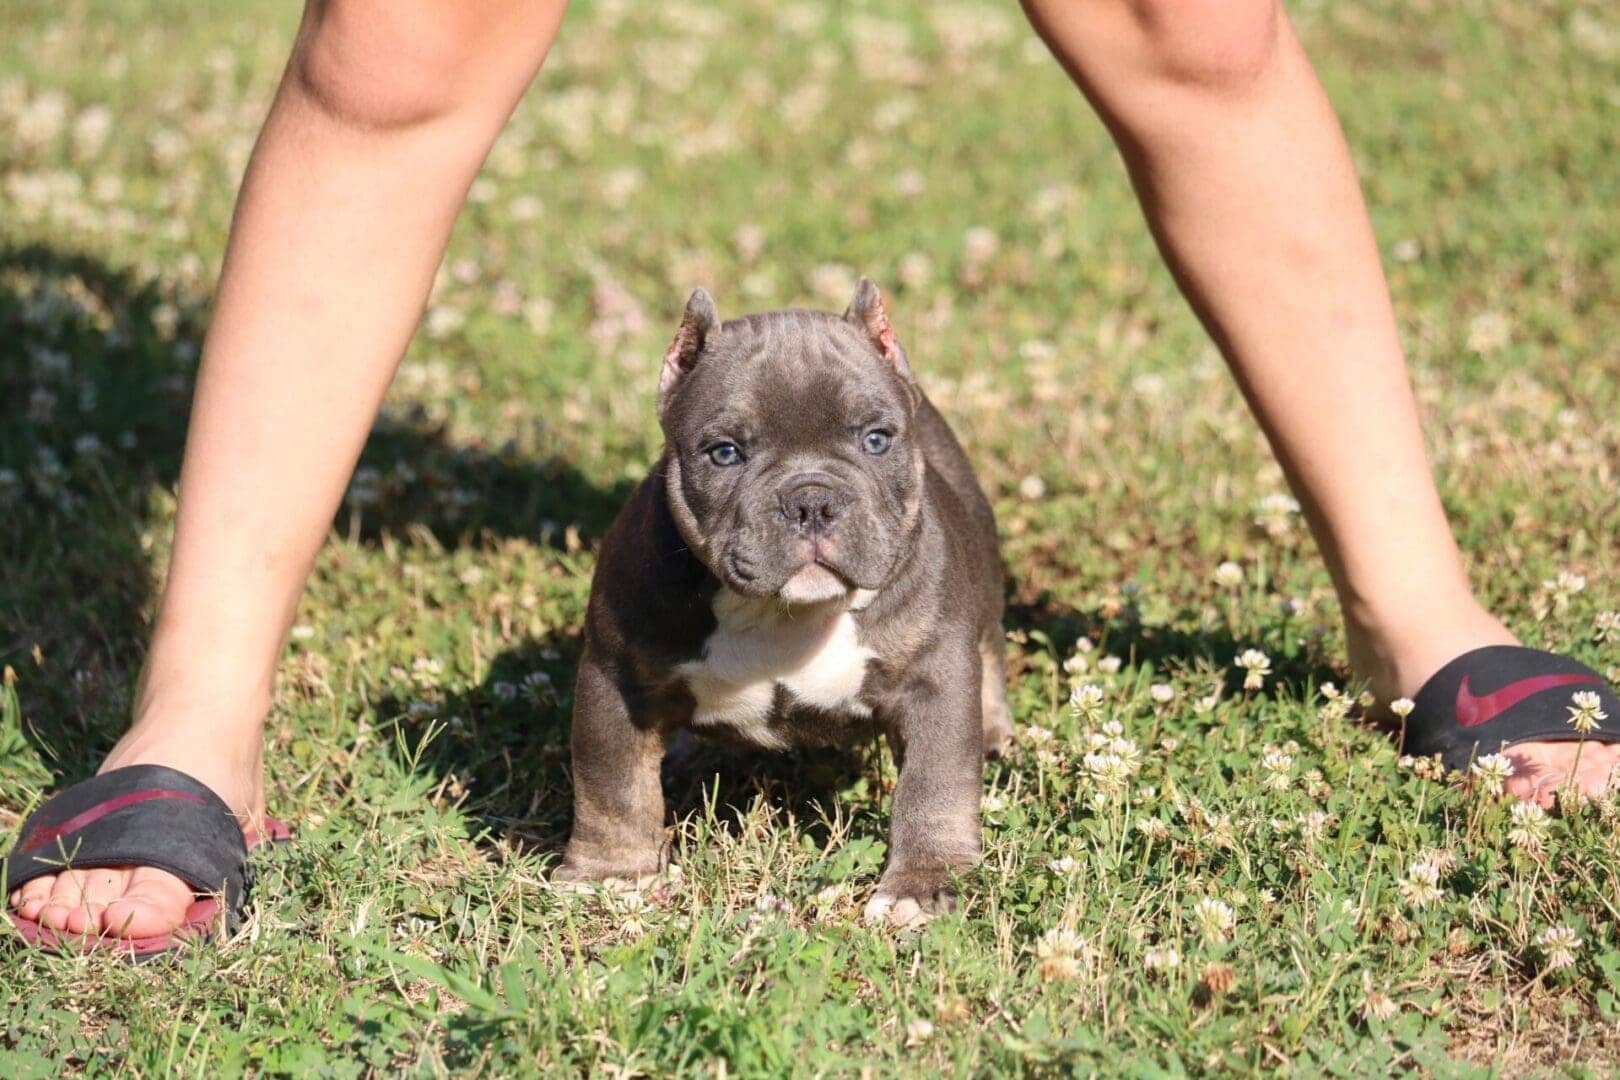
(898, 911)
(609, 885)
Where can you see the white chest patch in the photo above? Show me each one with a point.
(812, 651)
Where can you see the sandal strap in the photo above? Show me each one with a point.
(1499, 695)
(142, 815)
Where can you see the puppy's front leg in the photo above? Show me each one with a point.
(618, 832)
(934, 826)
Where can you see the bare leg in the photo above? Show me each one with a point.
(381, 122)
(1246, 182)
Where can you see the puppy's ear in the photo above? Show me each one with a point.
(698, 321)
(866, 313)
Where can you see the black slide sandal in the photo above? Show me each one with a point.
(1500, 695)
(143, 815)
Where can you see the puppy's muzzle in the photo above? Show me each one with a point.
(811, 506)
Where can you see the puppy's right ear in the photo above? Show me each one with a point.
(698, 321)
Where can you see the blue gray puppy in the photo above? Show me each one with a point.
(810, 561)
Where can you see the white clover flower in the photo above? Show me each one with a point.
(1529, 827)
(1312, 826)
(1491, 772)
(1109, 665)
(1087, 700)
(1161, 959)
(1488, 331)
(1031, 488)
(1585, 710)
(1113, 729)
(1558, 944)
(1421, 886)
(1111, 772)
(1558, 592)
(301, 632)
(1276, 766)
(992, 803)
(1375, 1004)
(1569, 582)
(918, 1032)
(425, 670)
(1214, 918)
(1125, 749)
(915, 271)
(1036, 735)
(832, 282)
(1152, 828)
(1402, 707)
(1608, 626)
(1276, 514)
(1229, 575)
(1162, 693)
(1256, 665)
(979, 244)
(1060, 953)
(1083, 645)
(1065, 865)
(442, 320)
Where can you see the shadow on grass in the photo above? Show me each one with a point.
(1296, 671)
(505, 744)
(96, 370)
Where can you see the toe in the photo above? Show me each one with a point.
(154, 902)
(32, 896)
(67, 889)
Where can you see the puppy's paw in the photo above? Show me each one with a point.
(613, 872)
(996, 741)
(565, 881)
(910, 898)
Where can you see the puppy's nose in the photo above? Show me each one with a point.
(812, 507)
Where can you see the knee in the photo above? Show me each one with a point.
(1213, 44)
(389, 66)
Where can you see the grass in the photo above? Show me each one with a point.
(418, 738)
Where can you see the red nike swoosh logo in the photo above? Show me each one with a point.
(40, 837)
(1473, 710)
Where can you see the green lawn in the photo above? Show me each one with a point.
(771, 151)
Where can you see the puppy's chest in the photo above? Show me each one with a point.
(766, 673)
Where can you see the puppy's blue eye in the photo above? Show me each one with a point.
(725, 454)
(876, 442)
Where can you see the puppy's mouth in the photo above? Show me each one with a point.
(815, 575)
(818, 579)
(815, 583)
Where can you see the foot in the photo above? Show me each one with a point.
(142, 901)
(1396, 660)
(910, 898)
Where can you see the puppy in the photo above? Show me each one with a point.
(810, 561)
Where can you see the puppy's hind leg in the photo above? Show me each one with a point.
(997, 718)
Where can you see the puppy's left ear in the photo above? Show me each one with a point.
(866, 313)
(698, 321)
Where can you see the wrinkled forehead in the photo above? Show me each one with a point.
(786, 372)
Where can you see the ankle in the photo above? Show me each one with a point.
(1396, 647)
